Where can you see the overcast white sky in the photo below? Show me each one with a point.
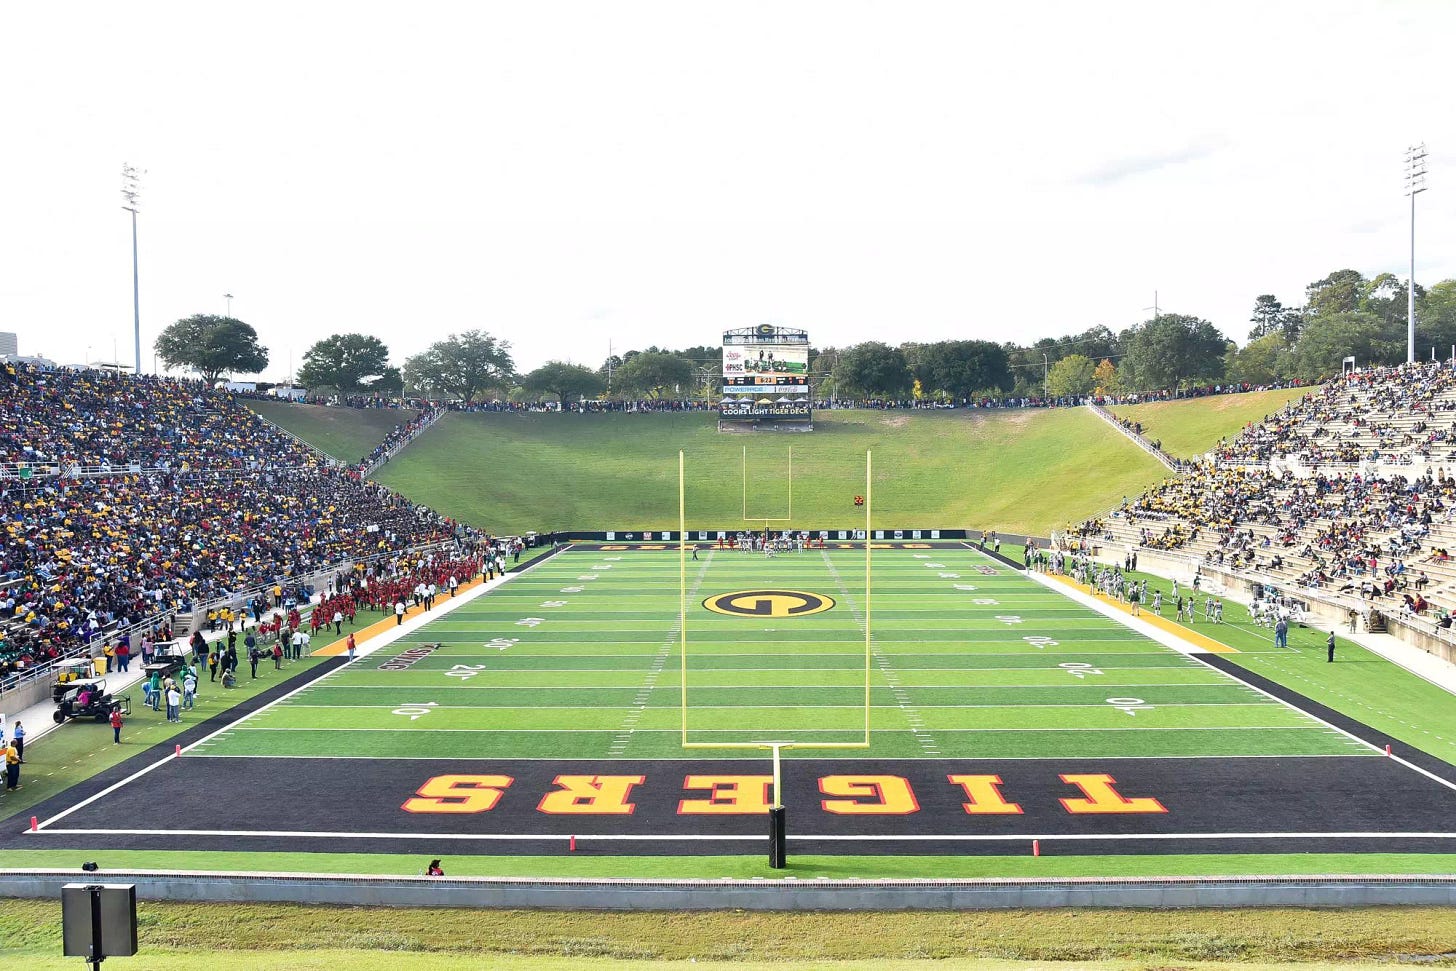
(568, 174)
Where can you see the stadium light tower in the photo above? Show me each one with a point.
(229, 298)
(1415, 184)
(131, 190)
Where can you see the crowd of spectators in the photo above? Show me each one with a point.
(1335, 528)
(225, 503)
(1392, 415)
(69, 418)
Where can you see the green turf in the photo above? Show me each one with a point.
(76, 751)
(1360, 683)
(1193, 426)
(348, 434)
(580, 658)
(1028, 471)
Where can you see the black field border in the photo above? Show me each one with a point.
(160, 750)
(1398, 747)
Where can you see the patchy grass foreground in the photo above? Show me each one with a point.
(277, 937)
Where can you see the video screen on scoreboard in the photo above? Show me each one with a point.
(765, 361)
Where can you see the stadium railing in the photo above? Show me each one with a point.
(370, 468)
(1176, 465)
(325, 456)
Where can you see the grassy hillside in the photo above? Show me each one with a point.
(1194, 426)
(1018, 471)
(347, 434)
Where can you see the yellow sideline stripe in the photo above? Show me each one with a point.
(379, 626)
(1177, 630)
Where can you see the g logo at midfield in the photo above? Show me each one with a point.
(768, 603)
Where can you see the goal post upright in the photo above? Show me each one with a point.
(765, 520)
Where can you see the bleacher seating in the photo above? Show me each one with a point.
(187, 496)
(1350, 491)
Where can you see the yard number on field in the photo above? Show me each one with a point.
(1078, 669)
(1130, 705)
(414, 711)
(464, 671)
(1037, 641)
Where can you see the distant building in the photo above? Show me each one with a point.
(9, 345)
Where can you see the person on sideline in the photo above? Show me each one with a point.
(17, 735)
(116, 723)
(12, 766)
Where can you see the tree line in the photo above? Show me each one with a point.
(1343, 314)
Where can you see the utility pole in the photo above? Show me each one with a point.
(131, 189)
(229, 298)
(1415, 184)
(1154, 307)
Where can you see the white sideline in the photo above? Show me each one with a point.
(714, 837)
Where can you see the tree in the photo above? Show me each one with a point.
(1072, 376)
(1267, 317)
(655, 373)
(568, 382)
(873, 370)
(1329, 338)
(1105, 379)
(1338, 293)
(1172, 349)
(1436, 316)
(1261, 361)
(348, 363)
(460, 366)
(211, 346)
(961, 368)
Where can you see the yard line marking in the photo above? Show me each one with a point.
(1060, 760)
(924, 739)
(659, 662)
(897, 706)
(819, 731)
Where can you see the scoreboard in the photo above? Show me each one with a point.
(766, 378)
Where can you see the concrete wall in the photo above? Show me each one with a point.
(1422, 637)
(33, 692)
(565, 894)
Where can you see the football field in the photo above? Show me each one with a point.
(547, 714)
(581, 658)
